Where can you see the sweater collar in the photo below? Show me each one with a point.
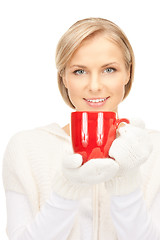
(55, 129)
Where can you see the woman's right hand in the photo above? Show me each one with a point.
(77, 179)
(92, 172)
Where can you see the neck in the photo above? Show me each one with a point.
(66, 128)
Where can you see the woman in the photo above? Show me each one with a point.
(49, 193)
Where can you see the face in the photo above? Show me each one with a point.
(96, 75)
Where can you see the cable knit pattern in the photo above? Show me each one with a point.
(130, 150)
(30, 164)
(31, 161)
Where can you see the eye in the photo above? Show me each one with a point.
(109, 70)
(79, 72)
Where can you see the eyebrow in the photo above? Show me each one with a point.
(112, 63)
(82, 66)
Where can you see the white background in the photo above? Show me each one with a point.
(29, 94)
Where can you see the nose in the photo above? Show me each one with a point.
(94, 83)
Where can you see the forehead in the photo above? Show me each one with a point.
(98, 48)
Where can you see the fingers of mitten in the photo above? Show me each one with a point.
(99, 170)
(117, 151)
(93, 172)
(131, 150)
(136, 125)
(130, 130)
(134, 135)
(72, 161)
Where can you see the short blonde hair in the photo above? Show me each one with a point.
(82, 30)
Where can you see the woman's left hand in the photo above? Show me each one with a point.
(130, 150)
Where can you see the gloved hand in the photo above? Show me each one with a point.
(75, 180)
(130, 150)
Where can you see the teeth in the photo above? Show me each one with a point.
(97, 100)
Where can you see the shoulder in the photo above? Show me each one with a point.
(48, 140)
(51, 132)
(153, 160)
(16, 142)
(155, 137)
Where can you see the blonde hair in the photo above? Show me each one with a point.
(82, 30)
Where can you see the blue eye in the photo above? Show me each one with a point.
(79, 72)
(109, 70)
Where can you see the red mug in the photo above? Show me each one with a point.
(92, 133)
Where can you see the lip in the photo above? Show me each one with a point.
(93, 104)
(94, 98)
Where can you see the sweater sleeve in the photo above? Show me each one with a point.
(54, 221)
(28, 218)
(17, 173)
(131, 218)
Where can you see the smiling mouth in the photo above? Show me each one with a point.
(96, 100)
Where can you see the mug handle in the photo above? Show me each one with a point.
(118, 121)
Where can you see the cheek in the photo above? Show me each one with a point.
(118, 87)
(73, 88)
(74, 92)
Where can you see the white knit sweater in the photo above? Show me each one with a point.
(32, 158)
